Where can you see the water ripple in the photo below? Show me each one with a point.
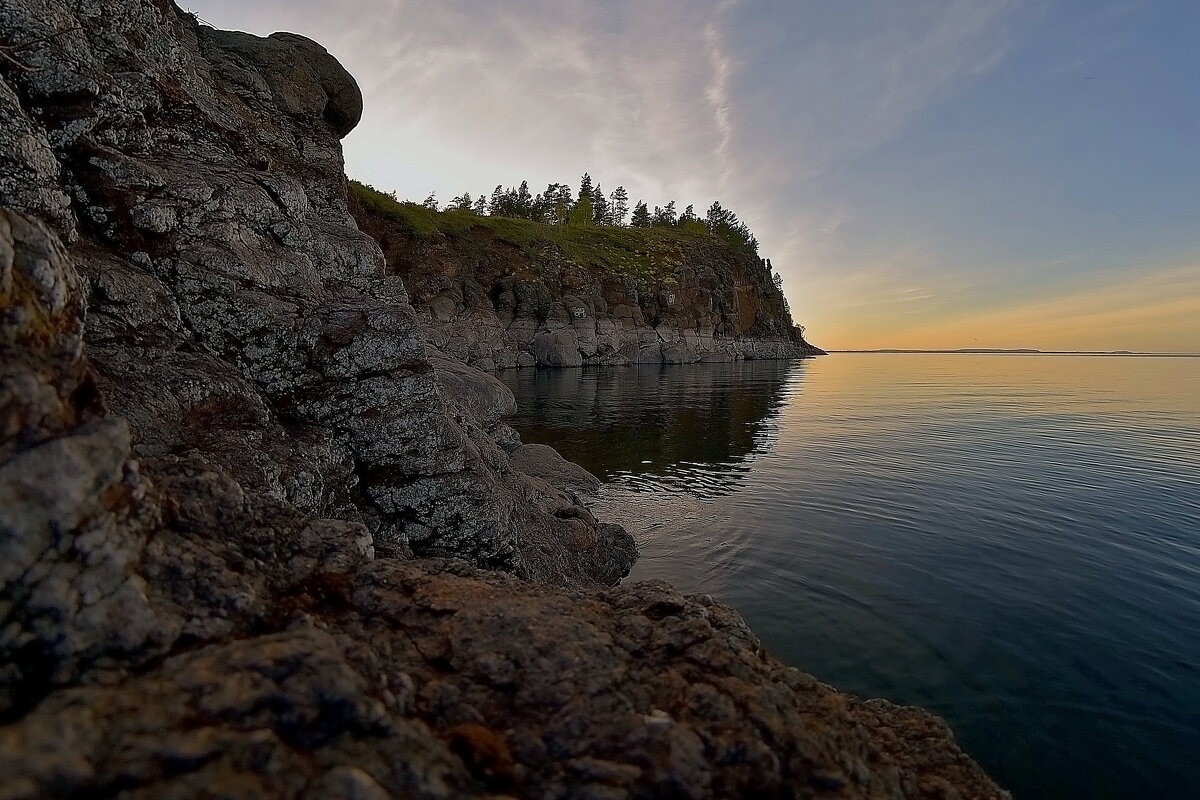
(1013, 542)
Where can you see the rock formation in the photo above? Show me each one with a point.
(221, 492)
(236, 310)
(511, 293)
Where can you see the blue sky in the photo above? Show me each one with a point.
(925, 173)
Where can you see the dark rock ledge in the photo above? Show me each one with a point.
(227, 495)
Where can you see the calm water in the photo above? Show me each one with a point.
(1011, 541)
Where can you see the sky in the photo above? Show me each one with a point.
(924, 173)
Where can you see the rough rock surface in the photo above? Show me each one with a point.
(484, 301)
(182, 637)
(204, 582)
(236, 310)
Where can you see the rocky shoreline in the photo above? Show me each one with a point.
(259, 539)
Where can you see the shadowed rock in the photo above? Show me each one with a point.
(302, 76)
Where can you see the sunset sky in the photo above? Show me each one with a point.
(927, 173)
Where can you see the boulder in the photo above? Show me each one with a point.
(543, 461)
(482, 398)
(558, 348)
(304, 78)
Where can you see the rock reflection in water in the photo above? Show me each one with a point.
(695, 428)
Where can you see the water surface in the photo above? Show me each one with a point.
(1010, 541)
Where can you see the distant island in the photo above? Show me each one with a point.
(1026, 351)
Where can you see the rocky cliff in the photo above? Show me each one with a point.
(502, 293)
(236, 310)
(225, 490)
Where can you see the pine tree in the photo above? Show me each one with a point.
(496, 204)
(581, 214)
(641, 216)
(600, 212)
(431, 202)
(688, 221)
(556, 202)
(719, 217)
(460, 203)
(481, 204)
(787, 309)
(522, 202)
(664, 217)
(618, 205)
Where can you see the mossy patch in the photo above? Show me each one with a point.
(647, 254)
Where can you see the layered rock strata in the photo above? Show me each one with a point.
(213, 486)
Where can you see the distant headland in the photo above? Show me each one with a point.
(1025, 351)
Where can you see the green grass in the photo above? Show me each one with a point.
(643, 253)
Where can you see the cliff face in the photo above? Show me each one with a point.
(501, 293)
(213, 487)
(236, 310)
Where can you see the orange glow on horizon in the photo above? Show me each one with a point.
(1158, 312)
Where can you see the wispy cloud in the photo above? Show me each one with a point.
(718, 91)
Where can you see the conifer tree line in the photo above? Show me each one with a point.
(590, 206)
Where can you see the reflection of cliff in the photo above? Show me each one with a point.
(697, 425)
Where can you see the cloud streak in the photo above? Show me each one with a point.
(719, 88)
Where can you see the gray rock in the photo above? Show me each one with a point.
(544, 462)
(301, 74)
(482, 397)
(558, 348)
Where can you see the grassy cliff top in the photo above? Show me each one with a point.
(649, 254)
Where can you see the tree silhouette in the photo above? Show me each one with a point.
(523, 202)
(559, 205)
(496, 204)
(664, 217)
(600, 211)
(618, 205)
(641, 216)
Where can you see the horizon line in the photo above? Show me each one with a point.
(1016, 351)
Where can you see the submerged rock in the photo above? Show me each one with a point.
(212, 489)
